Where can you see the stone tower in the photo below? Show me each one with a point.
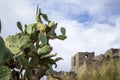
(78, 60)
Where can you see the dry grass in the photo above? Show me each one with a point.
(109, 70)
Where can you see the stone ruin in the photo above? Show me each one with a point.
(83, 59)
(78, 60)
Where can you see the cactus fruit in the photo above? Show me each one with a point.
(44, 50)
(41, 27)
(51, 24)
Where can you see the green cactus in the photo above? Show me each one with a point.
(44, 50)
(45, 17)
(29, 29)
(43, 38)
(38, 14)
(20, 26)
(0, 26)
(30, 49)
(14, 48)
(2, 44)
(58, 58)
(63, 31)
(48, 56)
(62, 37)
(5, 73)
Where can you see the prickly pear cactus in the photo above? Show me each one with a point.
(31, 50)
(0, 26)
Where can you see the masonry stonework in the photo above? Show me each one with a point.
(84, 59)
(78, 60)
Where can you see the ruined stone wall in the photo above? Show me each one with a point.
(78, 60)
(113, 51)
(84, 60)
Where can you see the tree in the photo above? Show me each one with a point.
(27, 54)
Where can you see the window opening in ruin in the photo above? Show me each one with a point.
(86, 56)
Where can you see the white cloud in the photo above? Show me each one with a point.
(99, 10)
(99, 37)
(11, 12)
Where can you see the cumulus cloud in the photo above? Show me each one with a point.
(98, 38)
(11, 12)
(98, 10)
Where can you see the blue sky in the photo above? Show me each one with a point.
(92, 25)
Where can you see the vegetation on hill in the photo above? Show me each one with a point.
(108, 70)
